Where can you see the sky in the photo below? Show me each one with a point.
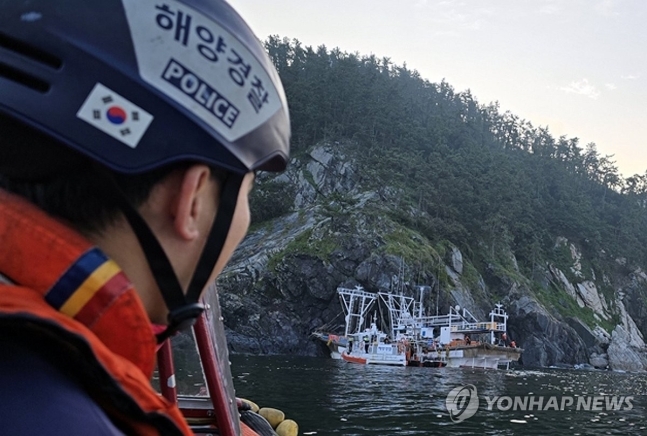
(578, 67)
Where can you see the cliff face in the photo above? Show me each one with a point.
(328, 230)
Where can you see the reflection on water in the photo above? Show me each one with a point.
(333, 397)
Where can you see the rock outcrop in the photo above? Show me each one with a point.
(545, 339)
(624, 354)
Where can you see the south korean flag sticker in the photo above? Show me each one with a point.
(112, 114)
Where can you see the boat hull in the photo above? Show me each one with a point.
(483, 356)
(395, 359)
(353, 359)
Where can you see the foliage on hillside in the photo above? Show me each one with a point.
(476, 174)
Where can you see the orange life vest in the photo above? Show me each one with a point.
(69, 295)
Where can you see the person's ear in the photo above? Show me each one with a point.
(194, 197)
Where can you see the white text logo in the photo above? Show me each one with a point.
(462, 403)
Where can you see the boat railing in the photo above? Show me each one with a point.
(358, 291)
(479, 326)
(439, 320)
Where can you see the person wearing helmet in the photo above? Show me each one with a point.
(130, 131)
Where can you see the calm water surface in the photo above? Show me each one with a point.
(330, 397)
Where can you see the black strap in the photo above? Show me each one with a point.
(158, 262)
(217, 236)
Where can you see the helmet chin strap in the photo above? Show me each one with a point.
(184, 309)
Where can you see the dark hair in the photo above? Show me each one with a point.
(66, 184)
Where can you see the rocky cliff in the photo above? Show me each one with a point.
(326, 226)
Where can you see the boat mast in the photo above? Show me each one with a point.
(356, 303)
(502, 326)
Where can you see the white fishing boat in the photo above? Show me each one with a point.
(456, 339)
(373, 347)
(367, 346)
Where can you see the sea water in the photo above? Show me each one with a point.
(332, 397)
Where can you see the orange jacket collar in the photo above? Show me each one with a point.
(75, 278)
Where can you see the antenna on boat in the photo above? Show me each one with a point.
(421, 309)
(437, 288)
